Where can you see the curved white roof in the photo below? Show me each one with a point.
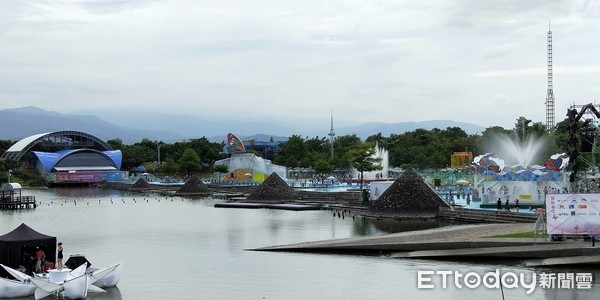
(11, 186)
(19, 148)
(20, 145)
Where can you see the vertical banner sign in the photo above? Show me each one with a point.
(573, 213)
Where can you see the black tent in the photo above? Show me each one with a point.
(18, 245)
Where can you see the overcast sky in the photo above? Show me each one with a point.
(475, 61)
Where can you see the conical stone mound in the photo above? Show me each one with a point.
(141, 184)
(409, 196)
(273, 188)
(193, 186)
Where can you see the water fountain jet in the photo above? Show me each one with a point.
(522, 179)
(523, 153)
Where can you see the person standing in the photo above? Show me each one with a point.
(507, 205)
(59, 256)
(517, 205)
(499, 204)
(38, 259)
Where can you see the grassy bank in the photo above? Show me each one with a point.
(527, 234)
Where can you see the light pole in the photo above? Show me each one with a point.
(158, 158)
(9, 173)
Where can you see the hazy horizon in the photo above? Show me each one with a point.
(368, 61)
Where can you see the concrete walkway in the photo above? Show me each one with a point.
(464, 242)
(526, 251)
(451, 237)
(561, 261)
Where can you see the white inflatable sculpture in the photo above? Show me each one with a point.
(70, 284)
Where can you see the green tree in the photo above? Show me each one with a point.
(522, 128)
(538, 129)
(116, 144)
(341, 147)
(317, 144)
(169, 166)
(221, 169)
(560, 137)
(323, 166)
(376, 138)
(135, 155)
(189, 161)
(413, 149)
(489, 138)
(363, 159)
(4, 145)
(292, 152)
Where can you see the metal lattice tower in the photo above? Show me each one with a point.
(550, 95)
(331, 134)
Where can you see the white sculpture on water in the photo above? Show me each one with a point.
(67, 283)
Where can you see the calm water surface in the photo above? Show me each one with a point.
(180, 248)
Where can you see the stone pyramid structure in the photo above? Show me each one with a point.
(409, 196)
(141, 184)
(272, 189)
(193, 186)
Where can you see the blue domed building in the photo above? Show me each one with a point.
(78, 157)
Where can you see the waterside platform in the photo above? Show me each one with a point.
(486, 216)
(295, 207)
(462, 243)
(17, 202)
(11, 197)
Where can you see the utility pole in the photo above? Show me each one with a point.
(158, 150)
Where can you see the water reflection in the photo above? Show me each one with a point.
(111, 293)
(88, 192)
(185, 249)
(370, 227)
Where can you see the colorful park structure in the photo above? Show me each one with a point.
(245, 166)
(495, 181)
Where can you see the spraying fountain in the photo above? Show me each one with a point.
(520, 178)
(377, 174)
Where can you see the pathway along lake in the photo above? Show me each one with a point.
(180, 248)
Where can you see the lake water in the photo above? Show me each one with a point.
(180, 248)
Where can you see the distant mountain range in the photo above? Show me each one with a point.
(18, 123)
(367, 129)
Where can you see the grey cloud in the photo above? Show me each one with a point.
(508, 8)
(111, 6)
(459, 23)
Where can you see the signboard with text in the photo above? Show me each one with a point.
(89, 176)
(573, 213)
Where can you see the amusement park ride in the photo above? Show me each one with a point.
(586, 133)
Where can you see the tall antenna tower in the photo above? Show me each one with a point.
(331, 134)
(550, 94)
